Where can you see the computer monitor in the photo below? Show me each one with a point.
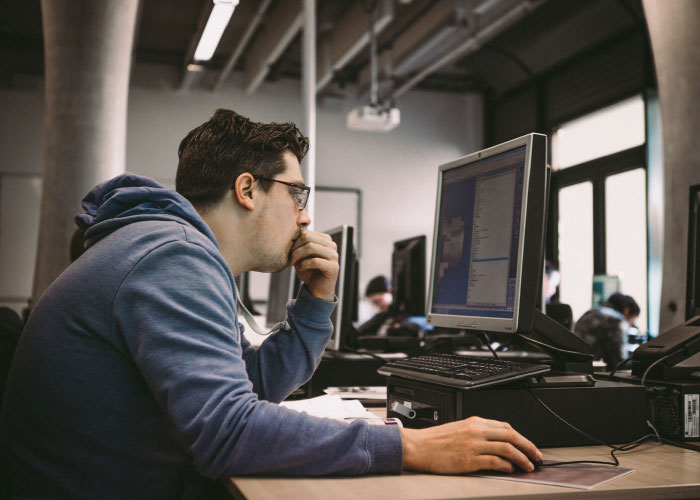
(345, 288)
(408, 277)
(692, 287)
(284, 286)
(488, 244)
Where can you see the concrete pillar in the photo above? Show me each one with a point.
(87, 54)
(675, 41)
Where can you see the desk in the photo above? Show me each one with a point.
(661, 471)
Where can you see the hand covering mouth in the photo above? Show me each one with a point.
(295, 243)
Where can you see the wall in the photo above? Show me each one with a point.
(396, 171)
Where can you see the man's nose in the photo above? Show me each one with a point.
(304, 220)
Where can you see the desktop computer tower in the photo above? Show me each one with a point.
(674, 409)
(611, 411)
(673, 405)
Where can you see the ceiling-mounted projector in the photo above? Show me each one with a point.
(373, 119)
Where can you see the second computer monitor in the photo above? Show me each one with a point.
(345, 288)
(284, 286)
(408, 277)
(488, 240)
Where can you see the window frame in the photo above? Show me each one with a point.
(595, 171)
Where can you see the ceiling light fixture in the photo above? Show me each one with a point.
(216, 24)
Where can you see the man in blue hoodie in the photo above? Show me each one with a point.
(132, 378)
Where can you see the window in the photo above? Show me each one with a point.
(598, 196)
(576, 246)
(599, 134)
(626, 235)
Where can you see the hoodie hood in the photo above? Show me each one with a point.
(130, 198)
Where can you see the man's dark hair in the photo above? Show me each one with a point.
(619, 302)
(213, 155)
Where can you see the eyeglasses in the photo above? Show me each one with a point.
(299, 192)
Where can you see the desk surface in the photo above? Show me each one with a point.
(661, 471)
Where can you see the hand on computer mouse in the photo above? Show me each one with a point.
(468, 446)
(536, 464)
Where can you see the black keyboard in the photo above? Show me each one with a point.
(465, 372)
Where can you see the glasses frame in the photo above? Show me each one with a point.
(303, 193)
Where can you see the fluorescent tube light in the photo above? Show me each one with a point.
(216, 24)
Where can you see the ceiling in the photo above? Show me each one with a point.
(491, 46)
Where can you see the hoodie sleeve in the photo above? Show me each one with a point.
(288, 358)
(175, 311)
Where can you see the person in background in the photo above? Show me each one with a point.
(559, 312)
(606, 327)
(377, 299)
(552, 278)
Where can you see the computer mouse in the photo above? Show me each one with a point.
(535, 463)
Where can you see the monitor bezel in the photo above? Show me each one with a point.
(336, 341)
(531, 238)
(277, 311)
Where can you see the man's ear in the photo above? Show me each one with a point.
(244, 191)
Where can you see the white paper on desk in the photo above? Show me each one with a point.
(580, 476)
(331, 406)
(355, 392)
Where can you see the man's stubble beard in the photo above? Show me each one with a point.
(269, 260)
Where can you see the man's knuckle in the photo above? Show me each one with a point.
(493, 462)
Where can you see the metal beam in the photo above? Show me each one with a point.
(351, 35)
(472, 43)
(283, 23)
(432, 22)
(424, 38)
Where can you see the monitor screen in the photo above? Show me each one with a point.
(345, 287)
(488, 239)
(408, 277)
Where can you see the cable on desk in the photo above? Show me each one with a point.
(614, 449)
(646, 372)
(484, 338)
(680, 445)
(617, 366)
(671, 442)
(542, 344)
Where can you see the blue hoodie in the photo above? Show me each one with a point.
(132, 378)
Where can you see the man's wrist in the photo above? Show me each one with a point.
(328, 296)
(312, 308)
(409, 448)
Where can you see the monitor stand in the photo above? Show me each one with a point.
(572, 359)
